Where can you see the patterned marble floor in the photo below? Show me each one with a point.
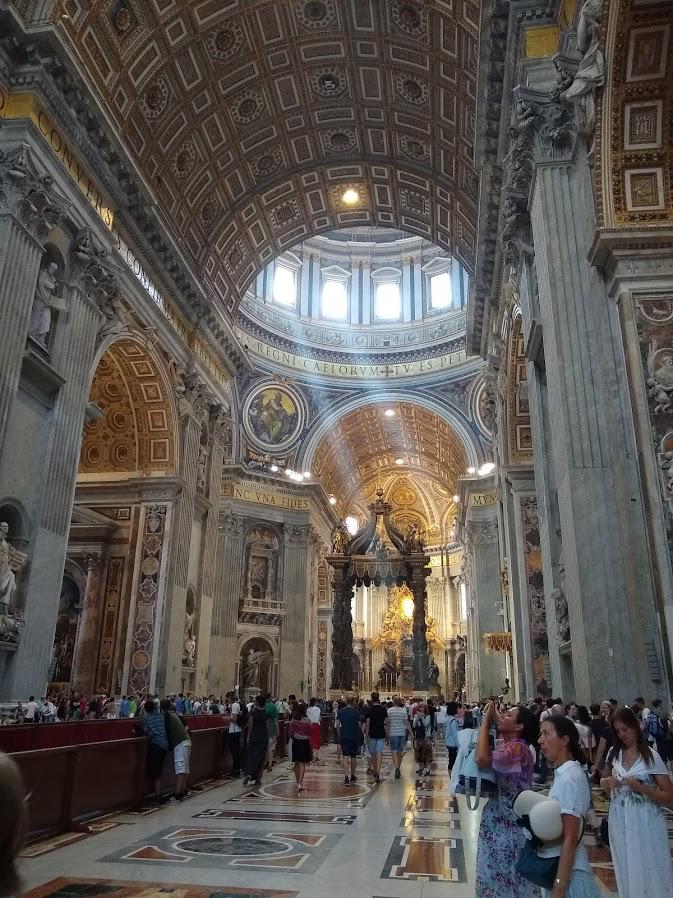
(403, 838)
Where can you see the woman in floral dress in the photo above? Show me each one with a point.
(500, 838)
(640, 786)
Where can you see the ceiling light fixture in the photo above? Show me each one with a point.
(332, 500)
(350, 197)
(471, 470)
(486, 468)
(289, 472)
(456, 499)
(307, 475)
(389, 413)
(399, 461)
(274, 469)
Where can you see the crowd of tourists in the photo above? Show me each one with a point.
(528, 768)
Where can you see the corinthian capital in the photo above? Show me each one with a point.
(220, 424)
(482, 531)
(230, 523)
(28, 195)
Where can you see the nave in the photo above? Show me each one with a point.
(400, 839)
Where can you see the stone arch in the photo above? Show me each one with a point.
(454, 417)
(133, 427)
(14, 514)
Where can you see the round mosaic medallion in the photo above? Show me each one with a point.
(273, 416)
(232, 846)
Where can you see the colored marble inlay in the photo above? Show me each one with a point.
(277, 816)
(320, 789)
(216, 849)
(432, 860)
(69, 887)
(409, 821)
(447, 805)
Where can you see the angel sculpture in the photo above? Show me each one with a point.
(11, 563)
(340, 539)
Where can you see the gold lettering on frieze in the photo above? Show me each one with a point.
(481, 499)
(261, 494)
(336, 369)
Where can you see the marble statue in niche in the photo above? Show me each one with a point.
(44, 301)
(11, 564)
(189, 640)
(591, 72)
(433, 672)
(251, 668)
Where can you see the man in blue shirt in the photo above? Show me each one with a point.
(180, 704)
(124, 706)
(154, 726)
(349, 721)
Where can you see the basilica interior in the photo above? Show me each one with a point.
(337, 354)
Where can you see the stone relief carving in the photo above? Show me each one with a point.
(591, 72)
(665, 460)
(562, 618)
(44, 301)
(660, 381)
(230, 523)
(29, 195)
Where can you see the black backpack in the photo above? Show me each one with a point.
(243, 714)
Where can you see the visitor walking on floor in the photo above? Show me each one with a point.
(397, 728)
(257, 742)
(637, 780)
(181, 746)
(313, 714)
(451, 731)
(560, 743)
(375, 732)
(234, 734)
(422, 729)
(299, 731)
(500, 837)
(272, 729)
(350, 735)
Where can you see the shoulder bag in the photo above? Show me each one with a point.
(474, 781)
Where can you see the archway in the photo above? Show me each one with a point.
(256, 667)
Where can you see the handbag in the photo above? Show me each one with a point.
(539, 870)
(474, 781)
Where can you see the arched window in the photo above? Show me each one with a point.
(440, 291)
(284, 286)
(352, 524)
(334, 303)
(387, 302)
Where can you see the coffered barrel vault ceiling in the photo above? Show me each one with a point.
(248, 118)
(364, 446)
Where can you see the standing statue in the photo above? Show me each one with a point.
(251, 668)
(201, 468)
(340, 539)
(413, 540)
(11, 563)
(562, 615)
(44, 301)
(591, 72)
(433, 673)
(189, 642)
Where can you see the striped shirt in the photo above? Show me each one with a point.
(397, 719)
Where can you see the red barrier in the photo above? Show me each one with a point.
(38, 736)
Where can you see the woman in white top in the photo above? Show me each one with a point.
(560, 742)
(638, 781)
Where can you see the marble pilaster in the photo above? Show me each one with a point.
(600, 545)
(486, 593)
(193, 408)
(295, 592)
(342, 627)
(85, 655)
(29, 209)
(227, 591)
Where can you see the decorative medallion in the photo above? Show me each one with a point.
(224, 43)
(155, 101)
(286, 214)
(412, 90)
(414, 148)
(266, 163)
(410, 17)
(273, 416)
(315, 14)
(184, 160)
(328, 82)
(248, 107)
(209, 211)
(339, 140)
